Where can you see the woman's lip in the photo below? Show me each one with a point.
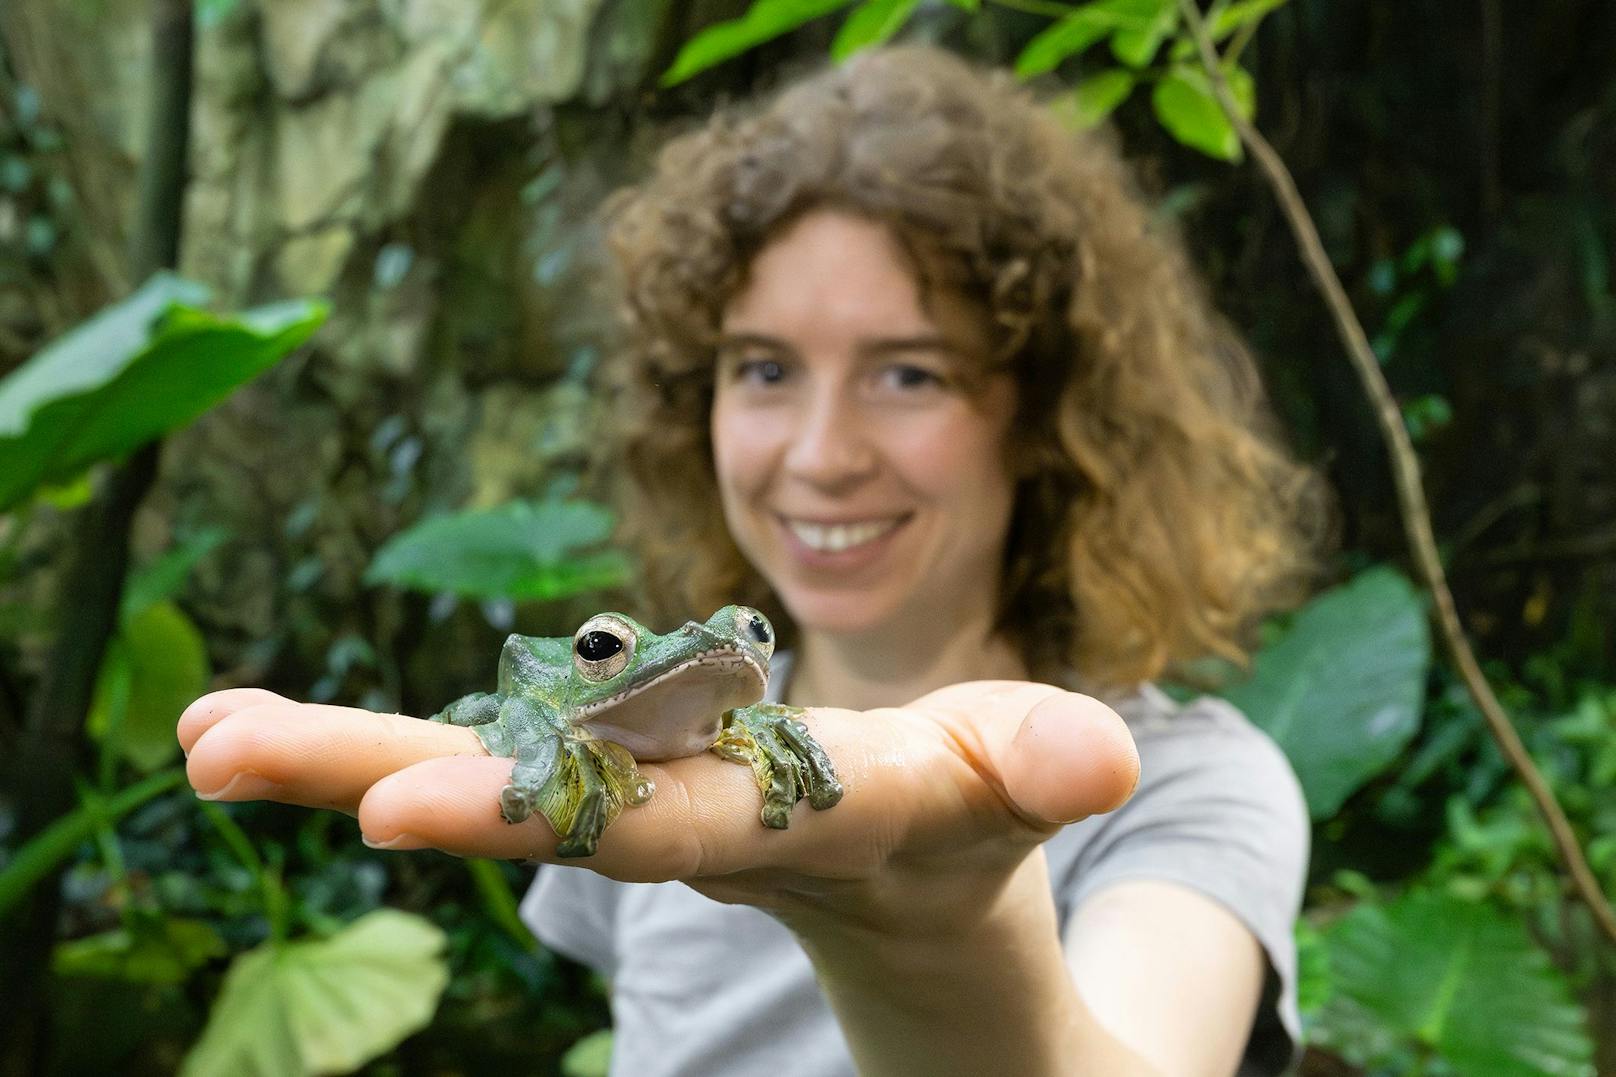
(844, 560)
(789, 518)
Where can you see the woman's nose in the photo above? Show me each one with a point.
(832, 444)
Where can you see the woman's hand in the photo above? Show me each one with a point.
(925, 863)
(982, 771)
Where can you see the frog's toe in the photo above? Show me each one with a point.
(824, 788)
(786, 761)
(515, 803)
(587, 827)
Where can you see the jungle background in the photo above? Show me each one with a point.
(383, 228)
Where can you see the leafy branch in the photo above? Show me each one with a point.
(1405, 470)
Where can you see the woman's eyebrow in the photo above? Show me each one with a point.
(923, 342)
(753, 340)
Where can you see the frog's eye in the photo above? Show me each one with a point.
(602, 648)
(753, 626)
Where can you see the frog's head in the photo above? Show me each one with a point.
(683, 679)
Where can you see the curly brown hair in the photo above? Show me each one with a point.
(1157, 515)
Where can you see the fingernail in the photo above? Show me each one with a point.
(243, 786)
(397, 841)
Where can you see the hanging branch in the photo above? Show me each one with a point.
(1406, 472)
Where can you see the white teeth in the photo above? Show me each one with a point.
(837, 537)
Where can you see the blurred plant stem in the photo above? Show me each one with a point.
(48, 751)
(1406, 471)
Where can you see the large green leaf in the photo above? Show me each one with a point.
(523, 550)
(1454, 977)
(155, 665)
(133, 372)
(764, 21)
(1341, 690)
(326, 1006)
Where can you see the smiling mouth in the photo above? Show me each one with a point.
(834, 538)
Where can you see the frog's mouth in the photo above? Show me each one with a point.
(677, 712)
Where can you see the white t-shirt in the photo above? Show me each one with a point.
(703, 988)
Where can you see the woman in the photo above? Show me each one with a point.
(909, 367)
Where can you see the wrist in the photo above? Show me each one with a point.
(977, 992)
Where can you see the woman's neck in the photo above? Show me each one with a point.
(889, 668)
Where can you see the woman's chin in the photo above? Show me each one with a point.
(847, 614)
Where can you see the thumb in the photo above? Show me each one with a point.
(1056, 756)
(1070, 757)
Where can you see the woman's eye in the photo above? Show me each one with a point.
(758, 371)
(909, 376)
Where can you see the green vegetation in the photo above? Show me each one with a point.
(361, 493)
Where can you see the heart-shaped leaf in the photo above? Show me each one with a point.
(325, 1006)
(1342, 689)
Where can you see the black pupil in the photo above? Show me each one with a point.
(598, 646)
(759, 628)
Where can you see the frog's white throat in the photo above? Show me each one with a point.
(677, 712)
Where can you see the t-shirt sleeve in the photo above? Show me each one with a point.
(1219, 811)
(573, 911)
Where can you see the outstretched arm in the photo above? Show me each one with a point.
(922, 898)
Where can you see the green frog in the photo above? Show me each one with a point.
(577, 713)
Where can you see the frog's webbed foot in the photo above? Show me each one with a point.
(785, 759)
(579, 786)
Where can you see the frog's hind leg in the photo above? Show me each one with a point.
(786, 761)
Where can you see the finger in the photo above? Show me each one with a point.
(1070, 757)
(703, 819)
(1054, 756)
(203, 714)
(314, 755)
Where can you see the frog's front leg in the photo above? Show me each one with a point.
(579, 785)
(786, 761)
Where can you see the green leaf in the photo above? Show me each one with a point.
(590, 1056)
(43, 852)
(764, 21)
(157, 950)
(871, 23)
(1067, 37)
(1095, 98)
(1186, 108)
(1238, 14)
(164, 576)
(326, 1006)
(155, 665)
(523, 550)
(1341, 690)
(1147, 23)
(133, 372)
(499, 904)
(1455, 977)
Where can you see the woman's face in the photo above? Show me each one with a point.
(856, 473)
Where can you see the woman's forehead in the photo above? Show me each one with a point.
(831, 271)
